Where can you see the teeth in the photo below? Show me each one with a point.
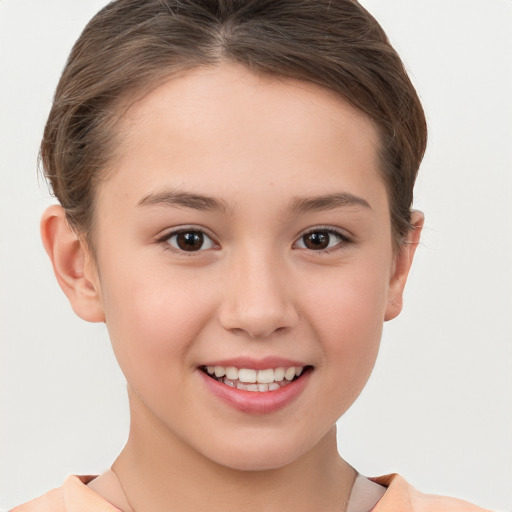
(279, 374)
(289, 374)
(245, 375)
(266, 376)
(232, 373)
(254, 387)
(219, 371)
(249, 379)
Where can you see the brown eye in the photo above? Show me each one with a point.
(317, 240)
(190, 241)
(320, 240)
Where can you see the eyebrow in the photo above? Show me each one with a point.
(327, 202)
(185, 199)
(297, 205)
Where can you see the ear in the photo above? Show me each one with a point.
(73, 265)
(402, 265)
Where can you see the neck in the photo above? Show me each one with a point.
(159, 472)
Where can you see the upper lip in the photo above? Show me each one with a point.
(256, 364)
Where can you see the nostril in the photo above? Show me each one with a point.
(264, 325)
(258, 333)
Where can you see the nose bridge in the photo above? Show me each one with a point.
(257, 299)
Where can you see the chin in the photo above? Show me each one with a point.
(256, 462)
(263, 456)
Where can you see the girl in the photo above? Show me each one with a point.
(235, 182)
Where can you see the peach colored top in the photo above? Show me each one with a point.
(402, 497)
(75, 496)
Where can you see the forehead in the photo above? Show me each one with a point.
(226, 125)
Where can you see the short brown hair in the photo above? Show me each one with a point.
(132, 44)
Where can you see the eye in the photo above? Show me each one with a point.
(321, 240)
(189, 240)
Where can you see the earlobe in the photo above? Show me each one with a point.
(73, 265)
(402, 265)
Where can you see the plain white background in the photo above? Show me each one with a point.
(438, 408)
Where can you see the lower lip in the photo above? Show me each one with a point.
(257, 402)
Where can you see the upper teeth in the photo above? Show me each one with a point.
(249, 375)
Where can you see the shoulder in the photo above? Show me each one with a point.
(51, 501)
(403, 497)
(73, 495)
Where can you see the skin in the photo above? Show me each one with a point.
(261, 147)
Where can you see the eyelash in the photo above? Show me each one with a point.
(343, 240)
(166, 240)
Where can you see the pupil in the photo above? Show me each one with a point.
(190, 241)
(316, 240)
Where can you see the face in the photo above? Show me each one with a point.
(244, 234)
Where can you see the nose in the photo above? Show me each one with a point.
(257, 298)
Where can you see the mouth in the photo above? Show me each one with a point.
(258, 381)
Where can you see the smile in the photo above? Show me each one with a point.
(256, 386)
(248, 379)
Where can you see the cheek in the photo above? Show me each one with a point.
(348, 305)
(347, 318)
(153, 320)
